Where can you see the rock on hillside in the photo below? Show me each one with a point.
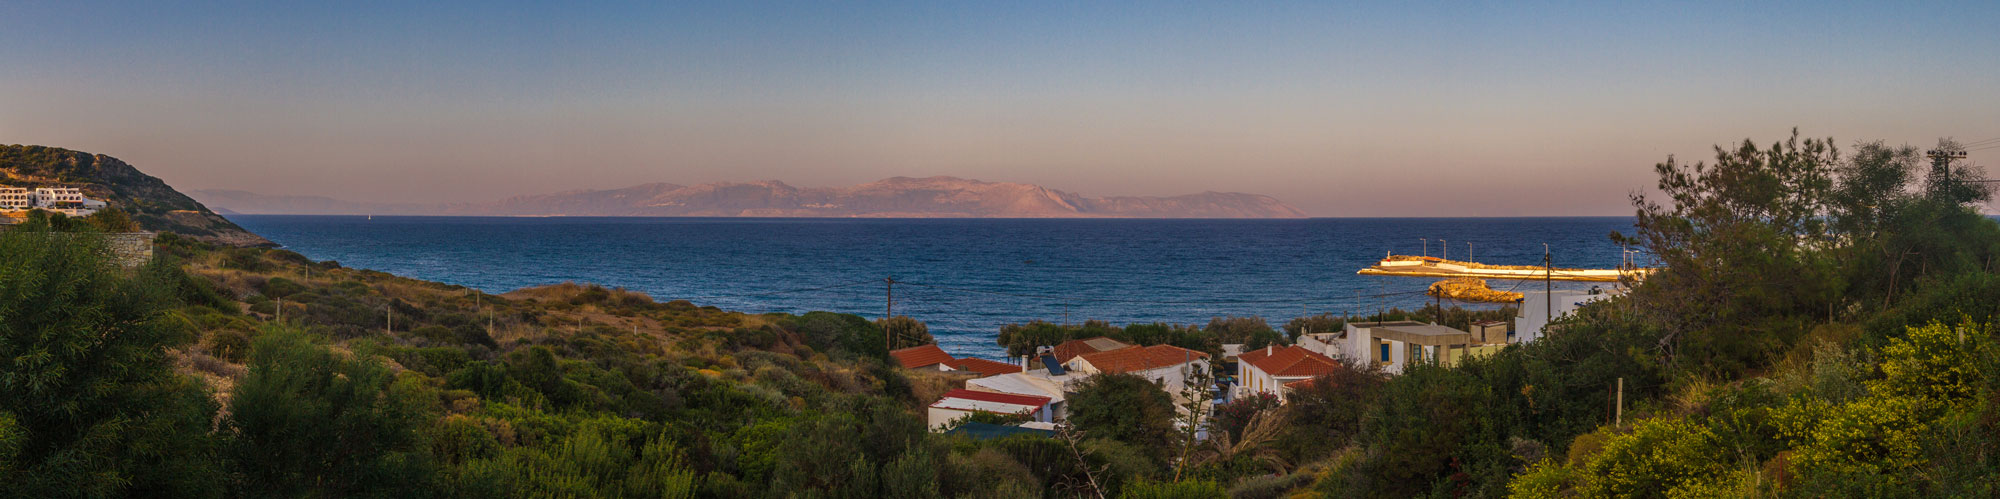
(151, 202)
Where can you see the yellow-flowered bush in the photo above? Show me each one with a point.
(1925, 373)
(1661, 454)
(1834, 441)
(1874, 434)
(1934, 362)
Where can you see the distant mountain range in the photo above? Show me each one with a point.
(933, 197)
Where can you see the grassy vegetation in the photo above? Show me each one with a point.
(1822, 329)
(150, 202)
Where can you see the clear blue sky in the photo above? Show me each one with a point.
(1503, 108)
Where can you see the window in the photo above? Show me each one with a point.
(1385, 351)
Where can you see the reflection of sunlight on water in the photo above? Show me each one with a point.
(1300, 264)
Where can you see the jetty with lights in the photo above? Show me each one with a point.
(1428, 266)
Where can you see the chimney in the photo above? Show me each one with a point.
(1267, 350)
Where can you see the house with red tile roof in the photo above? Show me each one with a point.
(1270, 369)
(960, 403)
(923, 357)
(1167, 365)
(984, 367)
(1074, 348)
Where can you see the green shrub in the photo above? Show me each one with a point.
(302, 405)
(1174, 490)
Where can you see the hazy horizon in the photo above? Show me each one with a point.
(1404, 110)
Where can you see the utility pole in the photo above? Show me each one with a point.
(1468, 251)
(888, 310)
(1619, 417)
(1427, 246)
(1941, 169)
(1548, 289)
(392, 317)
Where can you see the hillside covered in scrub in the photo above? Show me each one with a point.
(150, 202)
(1822, 326)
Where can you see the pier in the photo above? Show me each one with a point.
(1424, 266)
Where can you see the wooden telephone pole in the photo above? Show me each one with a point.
(888, 311)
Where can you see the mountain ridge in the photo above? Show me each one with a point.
(893, 197)
(153, 204)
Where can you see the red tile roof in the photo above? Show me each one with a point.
(984, 367)
(999, 398)
(1141, 358)
(1301, 383)
(1074, 348)
(923, 356)
(1289, 362)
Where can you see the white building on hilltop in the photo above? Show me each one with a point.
(65, 200)
(16, 198)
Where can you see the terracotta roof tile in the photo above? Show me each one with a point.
(922, 356)
(1289, 362)
(995, 398)
(1074, 348)
(984, 367)
(1141, 358)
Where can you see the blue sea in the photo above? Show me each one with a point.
(963, 277)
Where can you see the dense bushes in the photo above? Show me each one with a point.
(89, 401)
(1126, 408)
(305, 420)
(1911, 429)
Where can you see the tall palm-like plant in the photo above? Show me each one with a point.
(1254, 443)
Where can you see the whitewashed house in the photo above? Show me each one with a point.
(1540, 308)
(1270, 369)
(1168, 365)
(960, 403)
(1395, 345)
(1032, 384)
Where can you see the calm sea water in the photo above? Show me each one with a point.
(967, 276)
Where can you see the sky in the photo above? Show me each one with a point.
(1395, 109)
